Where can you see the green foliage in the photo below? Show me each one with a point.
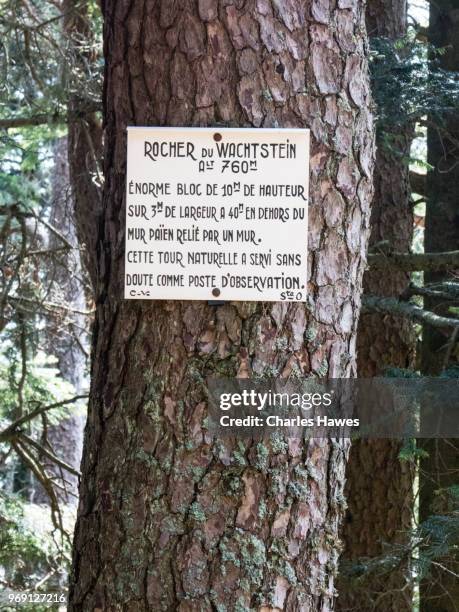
(19, 543)
(50, 72)
(30, 553)
(434, 543)
(392, 372)
(438, 535)
(408, 84)
(411, 452)
(43, 384)
(39, 67)
(451, 372)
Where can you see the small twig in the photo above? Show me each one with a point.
(45, 579)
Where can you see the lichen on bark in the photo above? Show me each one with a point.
(169, 518)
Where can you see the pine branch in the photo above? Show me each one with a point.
(387, 305)
(48, 119)
(443, 291)
(410, 262)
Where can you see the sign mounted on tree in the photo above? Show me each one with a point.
(217, 214)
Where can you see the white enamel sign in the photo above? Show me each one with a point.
(217, 214)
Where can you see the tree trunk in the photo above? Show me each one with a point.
(439, 592)
(170, 519)
(69, 346)
(379, 487)
(85, 139)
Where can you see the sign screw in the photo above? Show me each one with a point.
(217, 137)
(216, 292)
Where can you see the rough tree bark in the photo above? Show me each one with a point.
(379, 487)
(170, 519)
(439, 592)
(85, 143)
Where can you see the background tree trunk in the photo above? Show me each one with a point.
(440, 590)
(76, 211)
(379, 487)
(170, 519)
(85, 136)
(69, 345)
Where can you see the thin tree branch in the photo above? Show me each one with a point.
(49, 306)
(442, 291)
(50, 252)
(30, 461)
(51, 456)
(48, 119)
(23, 377)
(12, 429)
(410, 262)
(384, 305)
(54, 231)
